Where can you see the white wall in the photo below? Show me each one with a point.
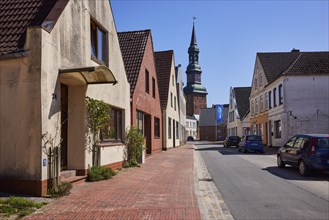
(170, 112)
(305, 107)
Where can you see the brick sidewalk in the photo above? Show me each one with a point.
(163, 188)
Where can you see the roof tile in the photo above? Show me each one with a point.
(163, 62)
(15, 17)
(294, 62)
(133, 44)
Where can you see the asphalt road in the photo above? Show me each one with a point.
(253, 187)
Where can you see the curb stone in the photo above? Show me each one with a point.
(211, 203)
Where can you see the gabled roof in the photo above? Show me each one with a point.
(274, 64)
(292, 63)
(310, 63)
(163, 62)
(242, 99)
(133, 44)
(17, 15)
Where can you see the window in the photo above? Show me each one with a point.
(291, 142)
(266, 101)
(256, 106)
(269, 99)
(113, 132)
(252, 107)
(139, 122)
(177, 130)
(175, 103)
(261, 103)
(98, 43)
(147, 82)
(153, 87)
(300, 142)
(277, 125)
(274, 97)
(171, 99)
(173, 80)
(231, 116)
(255, 83)
(169, 128)
(156, 127)
(280, 94)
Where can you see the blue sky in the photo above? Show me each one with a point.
(229, 33)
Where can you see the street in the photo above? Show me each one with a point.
(253, 187)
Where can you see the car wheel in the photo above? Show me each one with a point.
(245, 150)
(280, 162)
(303, 169)
(239, 149)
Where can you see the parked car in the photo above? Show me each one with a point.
(190, 138)
(308, 152)
(232, 141)
(251, 142)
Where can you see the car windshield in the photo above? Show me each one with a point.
(234, 138)
(322, 142)
(253, 138)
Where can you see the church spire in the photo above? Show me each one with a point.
(195, 92)
(193, 51)
(193, 38)
(193, 70)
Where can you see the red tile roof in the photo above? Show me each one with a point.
(133, 44)
(310, 63)
(16, 16)
(163, 62)
(294, 62)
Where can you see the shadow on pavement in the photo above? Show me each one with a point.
(291, 173)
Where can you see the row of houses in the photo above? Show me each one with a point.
(54, 54)
(289, 95)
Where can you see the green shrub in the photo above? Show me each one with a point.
(131, 163)
(20, 206)
(63, 189)
(97, 173)
(135, 144)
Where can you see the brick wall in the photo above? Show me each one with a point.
(145, 102)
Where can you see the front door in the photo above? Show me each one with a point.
(64, 123)
(148, 133)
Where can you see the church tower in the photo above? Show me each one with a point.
(196, 94)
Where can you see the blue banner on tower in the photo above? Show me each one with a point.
(219, 113)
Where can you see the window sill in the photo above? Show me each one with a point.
(110, 144)
(156, 137)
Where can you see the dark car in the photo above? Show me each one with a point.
(231, 141)
(307, 152)
(251, 142)
(190, 138)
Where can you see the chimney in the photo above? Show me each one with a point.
(295, 50)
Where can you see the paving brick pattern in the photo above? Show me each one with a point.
(163, 188)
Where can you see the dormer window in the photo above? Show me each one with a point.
(98, 43)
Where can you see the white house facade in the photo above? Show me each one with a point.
(72, 53)
(238, 107)
(181, 104)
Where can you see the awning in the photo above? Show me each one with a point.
(87, 75)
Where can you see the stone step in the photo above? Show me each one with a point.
(67, 174)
